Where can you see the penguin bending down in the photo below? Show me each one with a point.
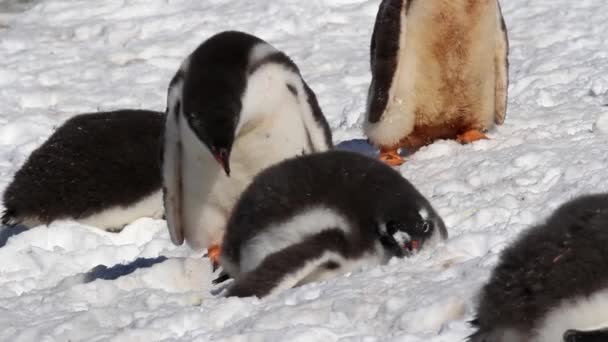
(316, 216)
(100, 169)
(439, 71)
(551, 284)
(236, 106)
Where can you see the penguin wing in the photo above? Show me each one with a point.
(501, 68)
(172, 178)
(384, 54)
(291, 265)
(319, 131)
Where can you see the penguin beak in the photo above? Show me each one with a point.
(223, 158)
(412, 245)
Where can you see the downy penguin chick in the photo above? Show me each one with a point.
(316, 216)
(100, 169)
(236, 106)
(551, 281)
(439, 71)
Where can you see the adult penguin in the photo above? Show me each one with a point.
(236, 106)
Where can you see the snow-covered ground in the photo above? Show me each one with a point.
(63, 57)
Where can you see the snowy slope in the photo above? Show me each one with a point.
(63, 57)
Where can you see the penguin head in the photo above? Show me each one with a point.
(215, 127)
(214, 81)
(403, 232)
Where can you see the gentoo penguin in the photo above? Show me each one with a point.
(439, 71)
(312, 217)
(100, 169)
(551, 284)
(235, 106)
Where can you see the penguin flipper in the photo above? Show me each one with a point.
(290, 266)
(172, 177)
(501, 68)
(384, 53)
(318, 130)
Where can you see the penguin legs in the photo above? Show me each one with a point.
(391, 156)
(471, 136)
(600, 335)
(306, 261)
(213, 253)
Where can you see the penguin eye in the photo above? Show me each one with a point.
(425, 227)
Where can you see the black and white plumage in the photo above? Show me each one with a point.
(101, 169)
(236, 106)
(313, 217)
(551, 279)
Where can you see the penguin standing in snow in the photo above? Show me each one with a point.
(551, 284)
(313, 217)
(100, 169)
(439, 71)
(236, 106)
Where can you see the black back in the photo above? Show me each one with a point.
(563, 258)
(91, 162)
(363, 190)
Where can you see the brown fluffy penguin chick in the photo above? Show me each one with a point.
(439, 71)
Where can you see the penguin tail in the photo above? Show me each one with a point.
(9, 217)
(479, 336)
(495, 334)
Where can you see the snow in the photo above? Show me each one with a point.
(601, 124)
(63, 57)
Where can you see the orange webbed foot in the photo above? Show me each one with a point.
(471, 136)
(213, 253)
(391, 157)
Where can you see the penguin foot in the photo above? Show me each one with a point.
(213, 253)
(586, 336)
(391, 157)
(471, 136)
(222, 277)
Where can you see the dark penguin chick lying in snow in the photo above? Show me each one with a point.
(100, 169)
(551, 284)
(313, 217)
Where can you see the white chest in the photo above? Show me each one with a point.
(209, 195)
